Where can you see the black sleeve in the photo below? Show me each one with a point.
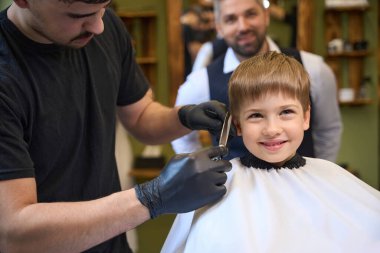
(133, 83)
(15, 161)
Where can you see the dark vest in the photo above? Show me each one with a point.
(219, 47)
(218, 83)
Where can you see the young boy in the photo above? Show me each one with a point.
(278, 201)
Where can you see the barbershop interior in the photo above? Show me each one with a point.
(168, 34)
(345, 33)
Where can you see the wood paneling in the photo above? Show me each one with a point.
(175, 47)
(305, 24)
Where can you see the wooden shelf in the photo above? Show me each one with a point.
(361, 53)
(357, 102)
(142, 26)
(347, 24)
(347, 8)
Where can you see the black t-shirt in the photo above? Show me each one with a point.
(57, 113)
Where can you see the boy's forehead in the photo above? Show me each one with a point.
(267, 95)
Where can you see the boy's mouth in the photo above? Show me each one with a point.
(273, 145)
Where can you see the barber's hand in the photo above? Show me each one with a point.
(188, 182)
(205, 116)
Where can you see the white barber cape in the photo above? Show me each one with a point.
(309, 205)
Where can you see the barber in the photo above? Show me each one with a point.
(67, 68)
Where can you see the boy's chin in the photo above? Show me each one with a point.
(277, 160)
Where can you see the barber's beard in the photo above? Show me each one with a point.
(52, 39)
(247, 51)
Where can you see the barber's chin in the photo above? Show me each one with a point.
(247, 52)
(81, 42)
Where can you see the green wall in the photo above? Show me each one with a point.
(280, 31)
(4, 3)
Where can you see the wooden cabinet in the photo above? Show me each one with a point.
(346, 26)
(142, 26)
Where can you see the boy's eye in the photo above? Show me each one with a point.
(287, 111)
(255, 115)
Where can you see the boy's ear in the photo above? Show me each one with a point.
(306, 119)
(237, 127)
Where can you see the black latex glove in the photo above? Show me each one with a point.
(205, 116)
(188, 182)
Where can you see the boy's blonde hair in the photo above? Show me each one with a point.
(268, 73)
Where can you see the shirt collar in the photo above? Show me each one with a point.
(231, 61)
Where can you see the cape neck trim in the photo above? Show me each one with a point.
(250, 160)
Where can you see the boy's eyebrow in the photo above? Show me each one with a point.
(288, 105)
(251, 110)
(258, 109)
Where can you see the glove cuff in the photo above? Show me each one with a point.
(144, 200)
(148, 194)
(182, 114)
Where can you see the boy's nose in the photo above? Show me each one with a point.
(272, 128)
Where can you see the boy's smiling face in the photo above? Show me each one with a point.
(273, 127)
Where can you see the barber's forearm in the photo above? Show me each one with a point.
(158, 125)
(73, 227)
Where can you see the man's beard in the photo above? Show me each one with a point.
(252, 49)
